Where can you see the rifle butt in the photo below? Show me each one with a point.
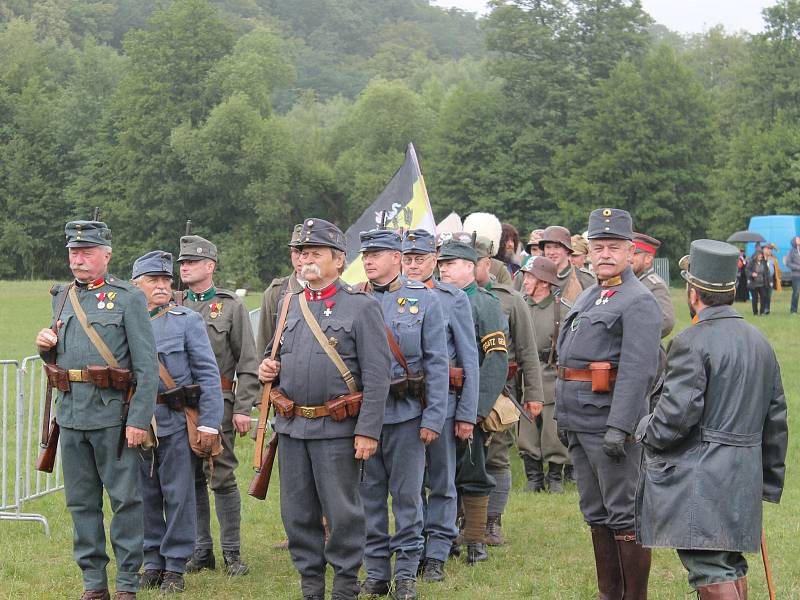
(259, 486)
(46, 460)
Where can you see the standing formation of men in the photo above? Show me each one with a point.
(409, 387)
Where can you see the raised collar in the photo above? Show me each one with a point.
(202, 296)
(92, 285)
(646, 272)
(618, 279)
(394, 285)
(564, 272)
(323, 294)
(718, 312)
(471, 289)
(159, 310)
(543, 304)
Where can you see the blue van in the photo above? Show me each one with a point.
(778, 229)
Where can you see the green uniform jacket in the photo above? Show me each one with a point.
(715, 445)
(228, 325)
(500, 272)
(544, 316)
(270, 306)
(522, 347)
(658, 287)
(487, 313)
(123, 324)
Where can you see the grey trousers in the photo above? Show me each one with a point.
(712, 566)
(606, 486)
(170, 520)
(442, 501)
(90, 464)
(320, 477)
(397, 469)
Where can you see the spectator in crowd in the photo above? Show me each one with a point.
(793, 264)
(742, 294)
(758, 282)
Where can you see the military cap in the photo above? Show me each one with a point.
(380, 239)
(645, 243)
(484, 247)
(419, 241)
(84, 234)
(579, 245)
(555, 234)
(319, 232)
(542, 268)
(194, 247)
(156, 262)
(711, 266)
(610, 223)
(455, 248)
(293, 243)
(533, 239)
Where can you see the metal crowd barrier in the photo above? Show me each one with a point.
(19, 445)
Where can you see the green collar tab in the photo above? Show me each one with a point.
(203, 296)
(471, 289)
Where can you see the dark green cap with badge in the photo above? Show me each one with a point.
(610, 223)
(711, 266)
(194, 247)
(484, 247)
(84, 234)
(456, 248)
(319, 232)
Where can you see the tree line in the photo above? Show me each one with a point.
(246, 116)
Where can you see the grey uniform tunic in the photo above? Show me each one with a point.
(318, 471)
(658, 287)
(270, 305)
(620, 325)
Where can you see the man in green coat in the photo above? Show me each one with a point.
(228, 326)
(474, 484)
(715, 445)
(93, 459)
(524, 384)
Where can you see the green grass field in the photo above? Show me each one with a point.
(548, 554)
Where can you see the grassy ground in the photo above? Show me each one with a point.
(549, 550)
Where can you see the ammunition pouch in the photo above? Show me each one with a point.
(99, 376)
(337, 407)
(416, 387)
(512, 370)
(121, 379)
(191, 396)
(283, 405)
(398, 388)
(456, 378)
(601, 376)
(57, 377)
(174, 399)
(353, 403)
(503, 416)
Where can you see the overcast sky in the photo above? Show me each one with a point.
(683, 16)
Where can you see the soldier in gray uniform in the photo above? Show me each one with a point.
(415, 415)
(607, 361)
(228, 327)
(645, 251)
(419, 262)
(167, 471)
(89, 416)
(280, 286)
(538, 442)
(320, 450)
(714, 448)
(524, 384)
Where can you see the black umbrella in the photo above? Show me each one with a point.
(746, 236)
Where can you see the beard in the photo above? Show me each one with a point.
(692, 311)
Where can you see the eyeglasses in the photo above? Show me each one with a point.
(419, 259)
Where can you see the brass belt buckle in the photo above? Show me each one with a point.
(307, 412)
(75, 375)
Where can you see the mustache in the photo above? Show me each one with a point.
(310, 269)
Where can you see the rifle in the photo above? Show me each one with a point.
(263, 461)
(96, 215)
(767, 568)
(50, 430)
(182, 287)
(123, 438)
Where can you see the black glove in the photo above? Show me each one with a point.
(614, 442)
(562, 437)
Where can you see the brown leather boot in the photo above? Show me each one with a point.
(725, 590)
(124, 596)
(607, 565)
(494, 530)
(635, 560)
(95, 595)
(741, 587)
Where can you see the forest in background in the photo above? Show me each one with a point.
(247, 115)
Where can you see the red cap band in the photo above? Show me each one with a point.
(641, 246)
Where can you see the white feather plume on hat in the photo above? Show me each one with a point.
(485, 225)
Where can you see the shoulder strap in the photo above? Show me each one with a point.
(165, 376)
(398, 354)
(329, 350)
(94, 337)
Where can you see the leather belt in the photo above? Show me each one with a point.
(160, 399)
(227, 384)
(311, 412)
(79, 375)
(567, 374)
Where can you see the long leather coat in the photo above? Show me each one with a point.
(716, 442)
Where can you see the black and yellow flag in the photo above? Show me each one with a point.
(405, 203)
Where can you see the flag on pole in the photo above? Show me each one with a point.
(405, 202)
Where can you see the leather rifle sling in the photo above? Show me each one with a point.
(49, 400)
(90, 331)
(329, 350)
(395, 348)
(263, 410)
